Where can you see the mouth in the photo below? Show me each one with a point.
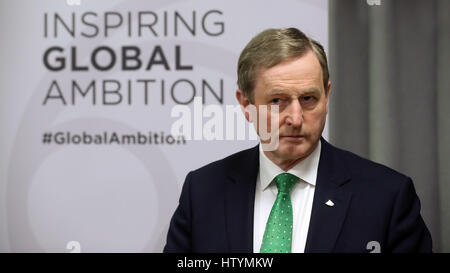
(293, 137)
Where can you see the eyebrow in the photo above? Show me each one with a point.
(308, 90)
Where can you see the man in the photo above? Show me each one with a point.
(305, 195)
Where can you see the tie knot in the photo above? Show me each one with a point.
(285, 182)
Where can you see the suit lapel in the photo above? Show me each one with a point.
(240, 201)
(326, 221)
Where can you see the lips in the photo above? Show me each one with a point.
(293, 136)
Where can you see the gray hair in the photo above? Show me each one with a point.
(271, 47)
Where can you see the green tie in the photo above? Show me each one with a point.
(278, 235)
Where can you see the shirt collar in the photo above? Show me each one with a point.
(306, 169)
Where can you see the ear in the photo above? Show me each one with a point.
(328, 94)
(244, 102)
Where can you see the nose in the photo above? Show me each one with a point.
(294, 113)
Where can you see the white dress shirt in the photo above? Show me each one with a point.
(302, 195)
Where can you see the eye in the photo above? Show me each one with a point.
(275, 101)
(308, 101)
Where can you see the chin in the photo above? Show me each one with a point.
(289, 148)
(293, 150)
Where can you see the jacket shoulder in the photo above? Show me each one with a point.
(228, 164)
(368, 171)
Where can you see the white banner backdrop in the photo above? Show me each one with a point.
(88, 162)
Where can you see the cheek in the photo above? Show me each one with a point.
(315, 119)
(272, 118)
(264, 119)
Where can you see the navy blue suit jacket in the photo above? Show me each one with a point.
(372, 203)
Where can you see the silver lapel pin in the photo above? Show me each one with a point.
(329, 203)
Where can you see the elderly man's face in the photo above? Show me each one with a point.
(296, 86)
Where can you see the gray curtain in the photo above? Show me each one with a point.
(390, 100)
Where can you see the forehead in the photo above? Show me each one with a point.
(301, 73)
